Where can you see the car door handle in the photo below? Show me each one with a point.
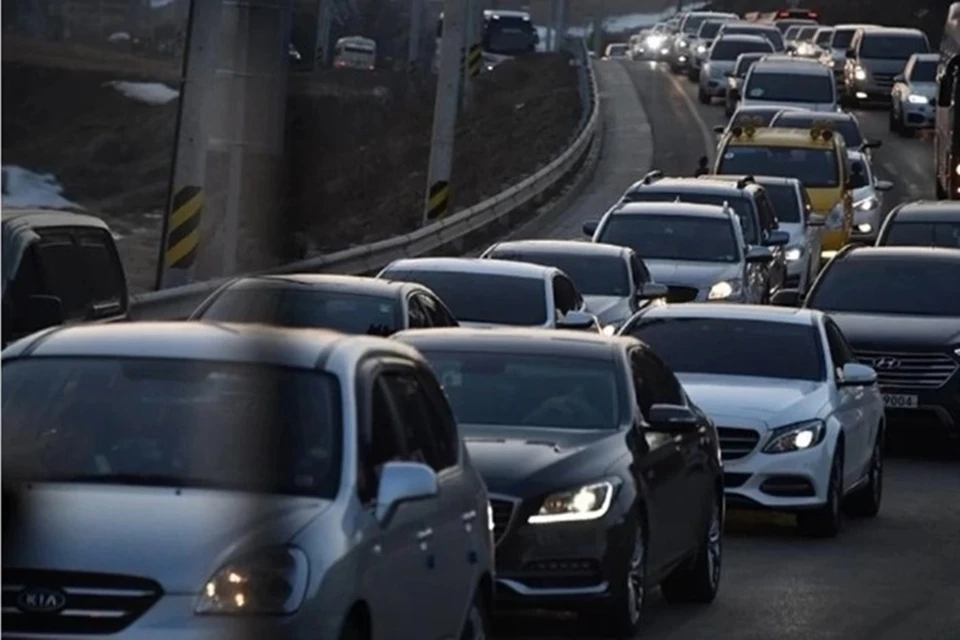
(469, 516)
(424, 534)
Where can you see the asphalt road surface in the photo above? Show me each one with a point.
(896, 577)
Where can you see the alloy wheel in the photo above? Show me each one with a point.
(715, 546)
(636, 576)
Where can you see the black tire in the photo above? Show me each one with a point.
(699, 580)
(892, 125)
(693, 75)
(703, 96)
(477, 626)
(826, 521)
(622, 615)
(865, 501)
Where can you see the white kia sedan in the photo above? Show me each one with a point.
(801, 422)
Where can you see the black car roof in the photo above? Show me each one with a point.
(929, 254)
(353, 284)
(929, 211)
(519, 341)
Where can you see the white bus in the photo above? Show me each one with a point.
(355, 52)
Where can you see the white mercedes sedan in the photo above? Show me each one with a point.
(801, 421)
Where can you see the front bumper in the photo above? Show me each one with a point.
(935, 409)
(870, 90)
(866, 225)
(568, 565)
(714, 87)
(918, 116)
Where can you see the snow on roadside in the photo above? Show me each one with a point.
(153, 93)
(23, 188)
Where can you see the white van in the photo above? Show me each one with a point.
(355, 52)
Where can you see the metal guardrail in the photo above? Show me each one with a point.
(444, 237)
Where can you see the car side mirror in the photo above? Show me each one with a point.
(899, 78)
(404, 482)
(851, 54)
(42, 311)
(777, 239)
(590, 227)
(787, 298)
(855, 374)
(652, 290)
(718, 129)
(759, 255)
(883, 185)
(673, 419)
(872, 144)
(578, 320)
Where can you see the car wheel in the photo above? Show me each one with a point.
(865, 502)
(826, 521)
(478, 621)
(902, 128)
(892, 122)
(621, 617)
(699, 580)
(703, 96)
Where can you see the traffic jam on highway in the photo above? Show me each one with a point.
(555, 425)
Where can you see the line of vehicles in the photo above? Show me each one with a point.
(556, 424)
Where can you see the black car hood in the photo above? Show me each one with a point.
(885, 332)
(525, 461)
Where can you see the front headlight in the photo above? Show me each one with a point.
(701, 49)
(682, 43)
(865, 227)
(270, 581)
(914, 98)
(860, 73)
(724, 289)
(796, 437)
(957, 351)
(609, 330)
(589, 502)
(834, 220)
(793, 253)
(831, 63)
(867, 204)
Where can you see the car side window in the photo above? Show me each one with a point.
(103, 265)
(667, 388)
(61, 266)
(380, 442)
(768, 217)
(807, 204)
(908, 70)
(840, 353)
(418, 420)
(26, 282)
(642, 382)
(434, 312)
(638, 270)
(443, 424)
(416, 315)
(565, 296)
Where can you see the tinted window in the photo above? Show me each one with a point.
(860, 174)
(306, 307)
(741, 206)
(167, 422)
(773, 35)
(823, 37)
(379, 445)
(514, 389)
(879, 46)
(842, 38)
(891, 285)
(744, 62)
(924, 234)
(106, 274)
(815, 168)
(708, 30)
(64, 273)
(593, 275)
(724, 49)
(807, 33)
(666, 237)
(848, 128)
(484, 298)
(420, 421)
(785, 202)
(735, 347)
(924, 71)
(813, 88)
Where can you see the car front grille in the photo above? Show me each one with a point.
(910, 370)
(503, 509)
(737, 443)
(681, 294)
(884, 80)
(63, 602)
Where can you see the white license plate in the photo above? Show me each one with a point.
(899, 401)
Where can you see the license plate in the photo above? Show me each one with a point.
(899, 401)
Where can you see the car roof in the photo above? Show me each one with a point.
(752, 26)
(814, 116)
(672, 209)
(781, 137)
(741, 37)
(927, 57)
(570, 247)
(688, 185)
(202, 341)
(790, 67)
(720, 311)
(324, 281)
(763, 181)
(517, 341)
(929, 211)
(895, 31)
(857, 25)
(15, 220)
(929, 254)
(474, 266)
(760, 108)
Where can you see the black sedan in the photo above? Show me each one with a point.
(605, 479)
(349, 304)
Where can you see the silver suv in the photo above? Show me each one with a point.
(875, 58)
(215, 480)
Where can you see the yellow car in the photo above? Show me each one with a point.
(815, 156)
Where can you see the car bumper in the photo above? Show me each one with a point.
(918, 116)
(714, 87)
(869, 90)
(797, 270)
(935, 409)
(782, 482)
(866, 225)
(680, 59)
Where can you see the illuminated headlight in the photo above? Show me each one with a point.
(490, 524)
(609, 330)
(793, 253)
(654, 41)
(958, 170)
(701, 49)
(831, 63)
(957, 351)
(589, 502)
(270, 581)
(683, 58)
(834, 221)
(683, 44)
(867, 204)
(796, 437)
(915, 98)
(860, 73)
(865, 228)
(724, 289)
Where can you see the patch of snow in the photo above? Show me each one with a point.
(23, 188)
(153, 93)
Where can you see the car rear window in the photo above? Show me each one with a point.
(923, 234)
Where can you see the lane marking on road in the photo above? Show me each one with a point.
(709, 138)
(913, 190)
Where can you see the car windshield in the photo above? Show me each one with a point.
(741, 206)
(815, 168)
(168, 422)
(744, 62)
(735, 347)
(786, 202)
(890, 285)
(812, 88)
(728, 49)
(823, 37)
(677, 237)
(848, 128)
(882, 47)
(807, 33)
(773, 35)
(842, 38)
(593, 275)
(300, 306)
(521, 390)
(924, 234)
(709, 30)
(484, 298)
(924, 71)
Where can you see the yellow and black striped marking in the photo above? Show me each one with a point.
(183, 230)
(438, 204)
(475, 60)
